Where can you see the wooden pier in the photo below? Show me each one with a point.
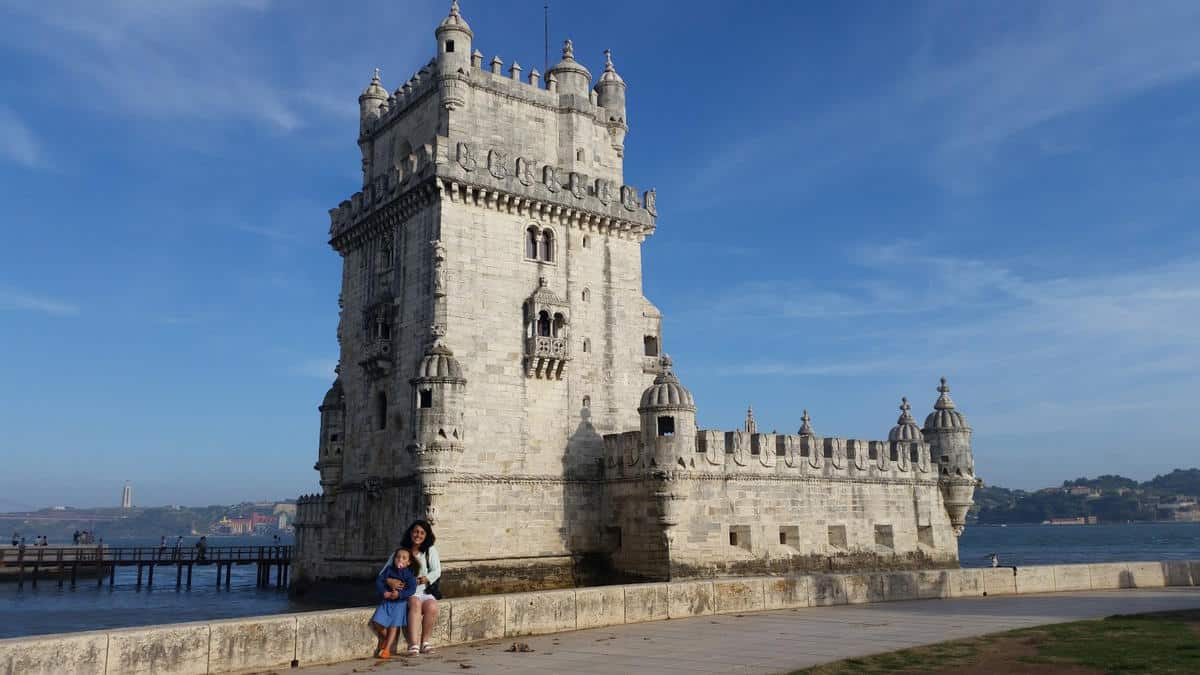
(70, 563)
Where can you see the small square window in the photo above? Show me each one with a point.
(925, 535)
(666, 426)
(883, 536)
(837, 536)
(739, 536)
(426, 398)
(449, 46)
(789, 535)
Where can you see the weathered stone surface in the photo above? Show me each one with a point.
(863, 588)
(1109, 576)
(738, 595)
(968, 582)
(179, 649)
(1177, 573)
(645, 602)
(477, 618)
(1035, 579)
(690, 598)
(936, 584)
(601, 606)
(900, 586)
(1072, 578)
(999, 580)
(71, 654)
(1147, 574)
(826, 589)
(786, 592)
(245, 644)
(336, 635)
(539, 612)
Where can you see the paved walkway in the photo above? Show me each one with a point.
(772, 642)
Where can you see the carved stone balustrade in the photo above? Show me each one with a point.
(546, 357)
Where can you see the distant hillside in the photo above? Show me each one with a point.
(1109, 498)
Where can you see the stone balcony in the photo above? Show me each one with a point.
(546, 357)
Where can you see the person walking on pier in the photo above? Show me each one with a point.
(15, 541)
(201, 548)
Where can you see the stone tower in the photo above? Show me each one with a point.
(492, 323)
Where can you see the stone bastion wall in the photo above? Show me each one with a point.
(309, 638)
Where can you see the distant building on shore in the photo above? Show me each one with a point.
(127, 496)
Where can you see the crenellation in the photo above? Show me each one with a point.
(500, 368)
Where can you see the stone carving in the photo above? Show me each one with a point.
(525, 171)
(466, 157)
(498, 163)
(550, 178)
(629, 198)
(604, 191)
(578, 184)
(439, 268)
(651, 198)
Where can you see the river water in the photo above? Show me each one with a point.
(48, 609)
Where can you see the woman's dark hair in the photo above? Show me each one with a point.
(407, 541)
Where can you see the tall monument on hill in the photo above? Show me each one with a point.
(501, 374)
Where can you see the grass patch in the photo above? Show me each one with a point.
(1164, 642)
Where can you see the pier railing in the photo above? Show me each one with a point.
(69, 562)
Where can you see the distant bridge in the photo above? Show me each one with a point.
(68, 563)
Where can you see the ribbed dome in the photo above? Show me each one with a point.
(806, 424)
(439, 363)
(906, 428)
(610, 73)
(569, 64)
(375, 89)
(944, 417)
(667, 392)
(335, 397)
(454, 20)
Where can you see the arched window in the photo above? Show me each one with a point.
(586, 240)
(559, 325)
(381, 410)
(543, 324)
(531, 243)
(650, 343)
(425, 398)
(587, 401)
(587, 345)
(548, 245)
(586, 295)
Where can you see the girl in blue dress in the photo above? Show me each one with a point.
(396, 583)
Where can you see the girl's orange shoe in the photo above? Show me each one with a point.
(384, 653)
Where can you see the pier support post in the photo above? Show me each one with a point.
(112, 574)
(228, 573)
(178, 575)
(20, 568)
(150, 580)
(139, 579)
(60, 568)
(74, 570)
(189, 579)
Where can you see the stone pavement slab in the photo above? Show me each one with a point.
(775, 641)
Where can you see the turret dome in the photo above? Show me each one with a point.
(944, 417)
(439, 364)
(906, 428)
(375, 89)
(454, 21)
(609, 76)
(667, 392)
(335, 397)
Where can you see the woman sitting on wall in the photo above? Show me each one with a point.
(423, 605)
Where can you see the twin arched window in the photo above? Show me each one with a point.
(539, 244)
(551, 327)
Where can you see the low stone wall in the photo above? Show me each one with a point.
(308, 638)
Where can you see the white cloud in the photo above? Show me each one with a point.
(14, 299)
(18, 143)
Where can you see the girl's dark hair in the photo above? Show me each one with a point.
(414, 565)
(407, 541)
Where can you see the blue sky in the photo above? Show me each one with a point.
(854, 199)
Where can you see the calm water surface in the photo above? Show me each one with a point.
(47, 609)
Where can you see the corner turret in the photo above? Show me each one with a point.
(610, 94)
(949, 440)
(454, 57)
(571, 76)
(370, 100)
(668, 414)
(439, 389)
(333, 435)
